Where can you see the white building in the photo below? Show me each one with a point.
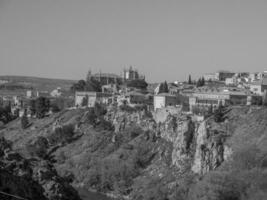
(231, 81)
(209, 77)
(91, 98)
(163, 100)
(57, 92)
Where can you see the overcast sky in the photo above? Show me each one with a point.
(164, 39)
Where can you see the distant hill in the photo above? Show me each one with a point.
(41, 84)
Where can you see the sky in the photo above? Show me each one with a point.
(163, 39)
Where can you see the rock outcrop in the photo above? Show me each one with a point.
(31, 179)
(196, 146)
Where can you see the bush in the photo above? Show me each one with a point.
(127, 108)
(104, 125)
(218, 186)
(24, 121)
(62, 135)
(139, 84)
(38, 148)
(246, 158)
(151, 188)
(41, 106)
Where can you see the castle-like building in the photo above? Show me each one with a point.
(132, 74)
(109, 78)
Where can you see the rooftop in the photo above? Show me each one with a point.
(110, 75)
(165, 94)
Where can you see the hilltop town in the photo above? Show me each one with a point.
(202, 96)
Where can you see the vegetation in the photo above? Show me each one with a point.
(38, 148)
(139, 84)
(24, 120)
(201, 82)
(85, 101)
(58, 104)
(62, 135)
(89, 85)
(163, 88)
(5, 114)
(189, 80)
(218, 116)
(42, 106)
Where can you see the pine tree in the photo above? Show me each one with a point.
(163, 88)
(89, 76)
(218, 117)
(189, 80)
(203, 81)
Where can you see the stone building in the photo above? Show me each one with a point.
(163, 100)
(91, 98)
(105, 78)
(222, 75)
(216, 97)
(132, 74)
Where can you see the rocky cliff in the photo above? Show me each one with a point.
(133, 154)
(29, 178)
(196, 145)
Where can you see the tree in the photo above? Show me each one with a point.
(5, 114)
(163, 88)
(93, 85)
(140, 84)
(218, 117)
(33, 106)
(24, 120)
(89, 76)
(203, 81)
(42, 106)
(79, 86)
(189, 80)
(85, 101)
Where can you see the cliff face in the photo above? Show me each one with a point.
(140, 156)
(31, 179)
(195, 146)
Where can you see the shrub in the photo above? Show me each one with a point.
(104, 125)
(100, 110)
(62, 135)
(38, 148)
(42, 105)
(218, 186)
(246, 158)
(151, 188)
(24, 121)
(139, 84)
(127, 108)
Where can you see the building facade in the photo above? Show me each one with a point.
(163, 100)
(210, 77)
(132, 74)
(89, 99)
(224, 98)
(222, 75)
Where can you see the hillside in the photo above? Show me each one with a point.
(41, 84)
(128, 154)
